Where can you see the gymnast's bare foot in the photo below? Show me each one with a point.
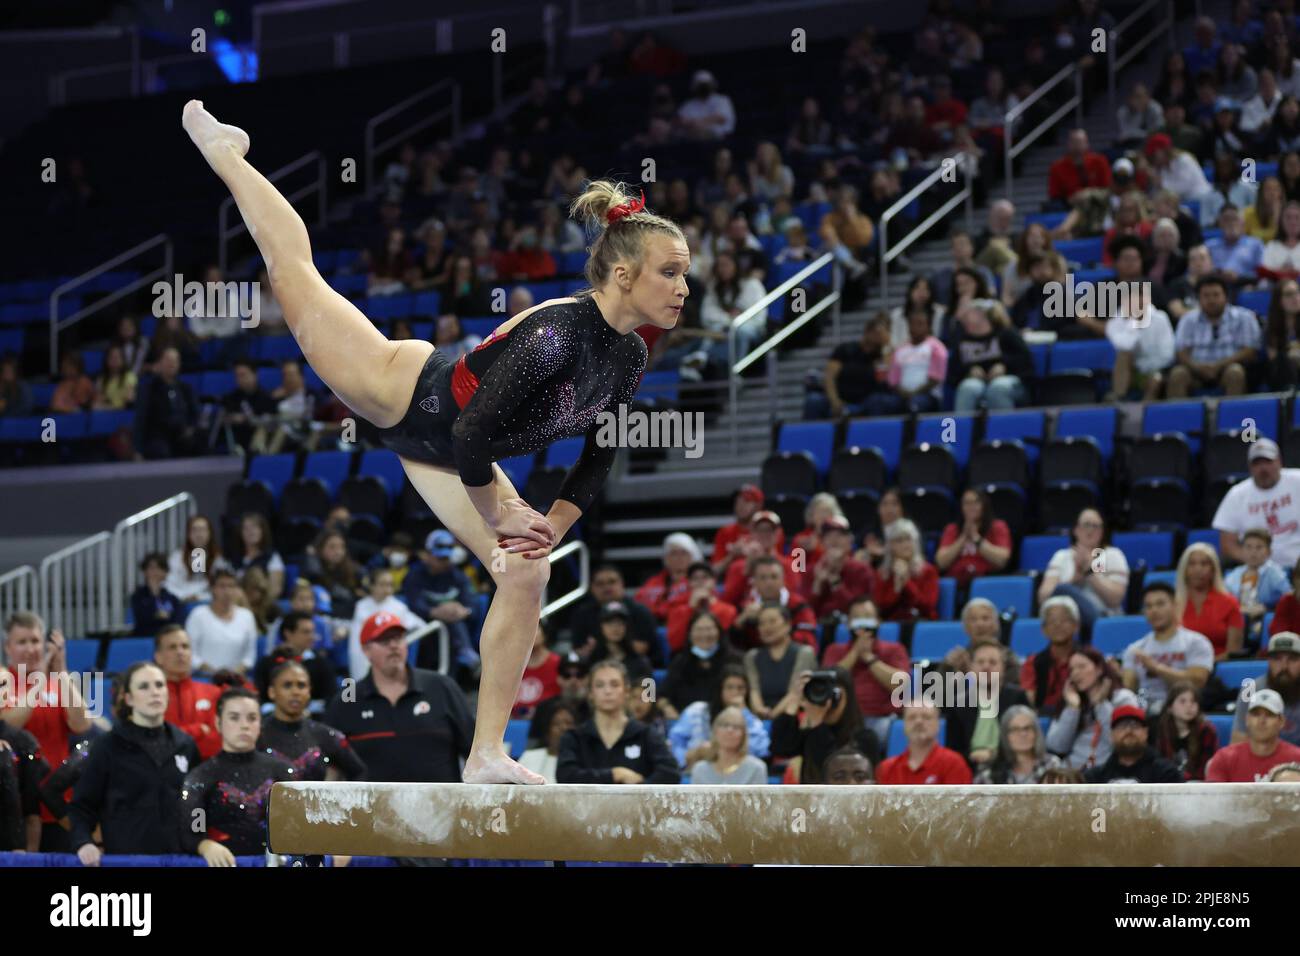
(485, 766)
(210, 136)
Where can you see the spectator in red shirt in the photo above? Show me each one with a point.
(837, 578)
(38, 676)
(908, 585)
(769, 587)
(821, 506)
(1079, 168)
(945, 112)
(727, 543)
(541, 678)
(873, 663)
(1204, 603)
(981, 545)
(525, 260)
(703, 596)
(191, 705)
(1045, 674)
(925, 761)
(1263, 748)
(762, 544)
(1287, 615)
(669, 586)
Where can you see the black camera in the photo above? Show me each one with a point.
(823, 688)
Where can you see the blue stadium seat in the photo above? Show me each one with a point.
(563, 453)
(82, 654)
(517, 469)
(889, 631)
(348, 284)
(42, 392)
(427, 303)
(1027, 427)
(422, 331)
(1086, 252)
(330, 467)
(933, 639)
(947, 599)
(125, 651)
(1048, 220)
(1097, 423)
(1111, 635)
(571, 263)
(661, 386)
(11, 340)
(275, 470)
(1185, 417)
(1027, 636)
(268, 379)
(935, 429)
(1095, 355)
(883, 434)
(389, 306)
(1222, 724)
(1257, 300)
(1007, 592)
(1233, 412)
(1167, 577)
(325, 260)
(517, 737)
(385, 465)
(1084, 277)
(216, 384)
(810, 214)
(278, 348)
(74, 425)
(26, 428)
(103, 422)
(1204, 536)
(1040, 352)
(898, 739)
(93, 361)
(816, 438)
(1037, 549)
(1156, 548)
(1233, 673)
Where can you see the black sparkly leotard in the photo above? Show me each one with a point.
(311, 748)
(549, 377)
(232, 790)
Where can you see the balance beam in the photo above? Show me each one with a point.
(1221, 824)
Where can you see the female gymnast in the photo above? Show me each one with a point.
(543, 375)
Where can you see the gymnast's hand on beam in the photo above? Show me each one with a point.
(515, 519)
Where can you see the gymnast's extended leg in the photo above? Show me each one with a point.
(373, 376)
(511, 624)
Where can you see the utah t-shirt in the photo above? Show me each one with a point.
(1185, 649)
(1247, 506)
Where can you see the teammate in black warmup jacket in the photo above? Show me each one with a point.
(22, 767)
(130, 782)
(233, 788)
(612, 747)
(545, 374)
(315, 750)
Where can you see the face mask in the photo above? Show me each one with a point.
(863, 624)
(397, 560)
(704, 653)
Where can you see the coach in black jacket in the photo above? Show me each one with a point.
(635, 752)
(130, 785)
(986, 659)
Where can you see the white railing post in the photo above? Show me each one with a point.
(1012, 151)
(57, 325)
(20, 591)
(74, 585)
(160, 527)
(584, 577)
(374, 149)
(888, 254)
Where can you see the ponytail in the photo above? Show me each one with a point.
(621, 223)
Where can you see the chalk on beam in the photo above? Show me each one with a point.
(1027, 825)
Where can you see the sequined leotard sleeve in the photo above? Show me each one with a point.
(556, 372)
(231, 790)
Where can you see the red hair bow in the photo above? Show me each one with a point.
(626, 209)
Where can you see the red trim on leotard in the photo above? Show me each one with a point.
(464, 383)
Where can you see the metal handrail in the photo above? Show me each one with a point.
(373, 149)
(737, 364)
(1116, 63)
(20, 590)
(138, 534)
(226, 233)
(966, 194)
(1010, 152)
(584, 577)
(444, 642)
(57, 325)
(77, 600)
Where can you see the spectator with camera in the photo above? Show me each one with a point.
(831, 720)
(925, 761)
(1132, 759)
(873, 664)
(1021, 755)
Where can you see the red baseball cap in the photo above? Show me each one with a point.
(752, 492)
(1156, 142)
(1127, 712)
(379, 624)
